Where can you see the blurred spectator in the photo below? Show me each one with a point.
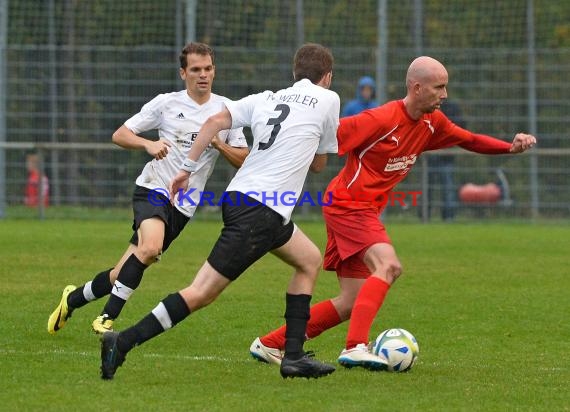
(441, 168)
(365, 97)
(35, 184)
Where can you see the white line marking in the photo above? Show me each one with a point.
(146, 355)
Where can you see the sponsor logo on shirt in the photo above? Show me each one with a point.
(401, 163)
(186, 141)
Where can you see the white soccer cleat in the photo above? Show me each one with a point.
(360, 356)
(264, 353)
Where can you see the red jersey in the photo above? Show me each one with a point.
(32, 193)
(383, 144)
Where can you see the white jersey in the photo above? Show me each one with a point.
(178, 119)
(289, 127)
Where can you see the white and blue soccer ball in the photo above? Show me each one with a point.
(399, 347)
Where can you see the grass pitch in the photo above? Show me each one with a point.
(489, 305)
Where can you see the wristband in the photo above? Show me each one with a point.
(189, 165)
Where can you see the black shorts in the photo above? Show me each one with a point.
(147, 204)
(250, 230)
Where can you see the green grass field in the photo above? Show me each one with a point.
(488, 303)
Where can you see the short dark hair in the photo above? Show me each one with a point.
(195, 48)
(312, 61)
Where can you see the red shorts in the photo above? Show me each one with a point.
(349, 235)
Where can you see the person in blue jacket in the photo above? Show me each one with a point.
(365, 97)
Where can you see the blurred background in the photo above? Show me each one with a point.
(72, 71)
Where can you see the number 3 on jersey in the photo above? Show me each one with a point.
(276, 122)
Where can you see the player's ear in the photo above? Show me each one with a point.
(326, 80)
(182, 73)
(417, 86)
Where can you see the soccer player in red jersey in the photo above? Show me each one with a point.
(382, 145)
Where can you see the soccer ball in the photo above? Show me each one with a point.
(399, 347)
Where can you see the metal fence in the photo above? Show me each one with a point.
(71, 72)
(106, 183)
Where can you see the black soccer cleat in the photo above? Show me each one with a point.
(111, 356)
(306, 367)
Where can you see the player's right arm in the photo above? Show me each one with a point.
(149, 118)
(127, 139)
(328, 142)
(356, 130)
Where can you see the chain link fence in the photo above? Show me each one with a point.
(71, 72)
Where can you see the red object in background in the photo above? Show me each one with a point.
(489, 193)
(32, 194)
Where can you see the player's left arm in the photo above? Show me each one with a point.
(355, 131)
(319, 163)
(522, 142)
(234, 155)
(484, 144)
(212, 126)
(449, 134)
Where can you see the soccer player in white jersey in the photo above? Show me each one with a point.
(178, 117)
(293, 131)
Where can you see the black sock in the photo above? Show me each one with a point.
(128, 280)
(297, 314)
(101, 284)
(95, 289)
(169, 312)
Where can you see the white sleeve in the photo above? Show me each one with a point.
(236, 138)
(149, 118)
(233, 137)
(328, 142)
(242, 110)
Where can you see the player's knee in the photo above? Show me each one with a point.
(395, 269)
(314, 261)
(389, 271)
(149, 252)
(309, 262)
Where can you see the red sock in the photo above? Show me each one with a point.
(323, 316)
(366, 306)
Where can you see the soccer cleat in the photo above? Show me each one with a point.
(264, 353)
(63, 312)
(306, 367)
(111, 356)
(102, 324)
(360, 356)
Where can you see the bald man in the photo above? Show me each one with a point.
(382, 145)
